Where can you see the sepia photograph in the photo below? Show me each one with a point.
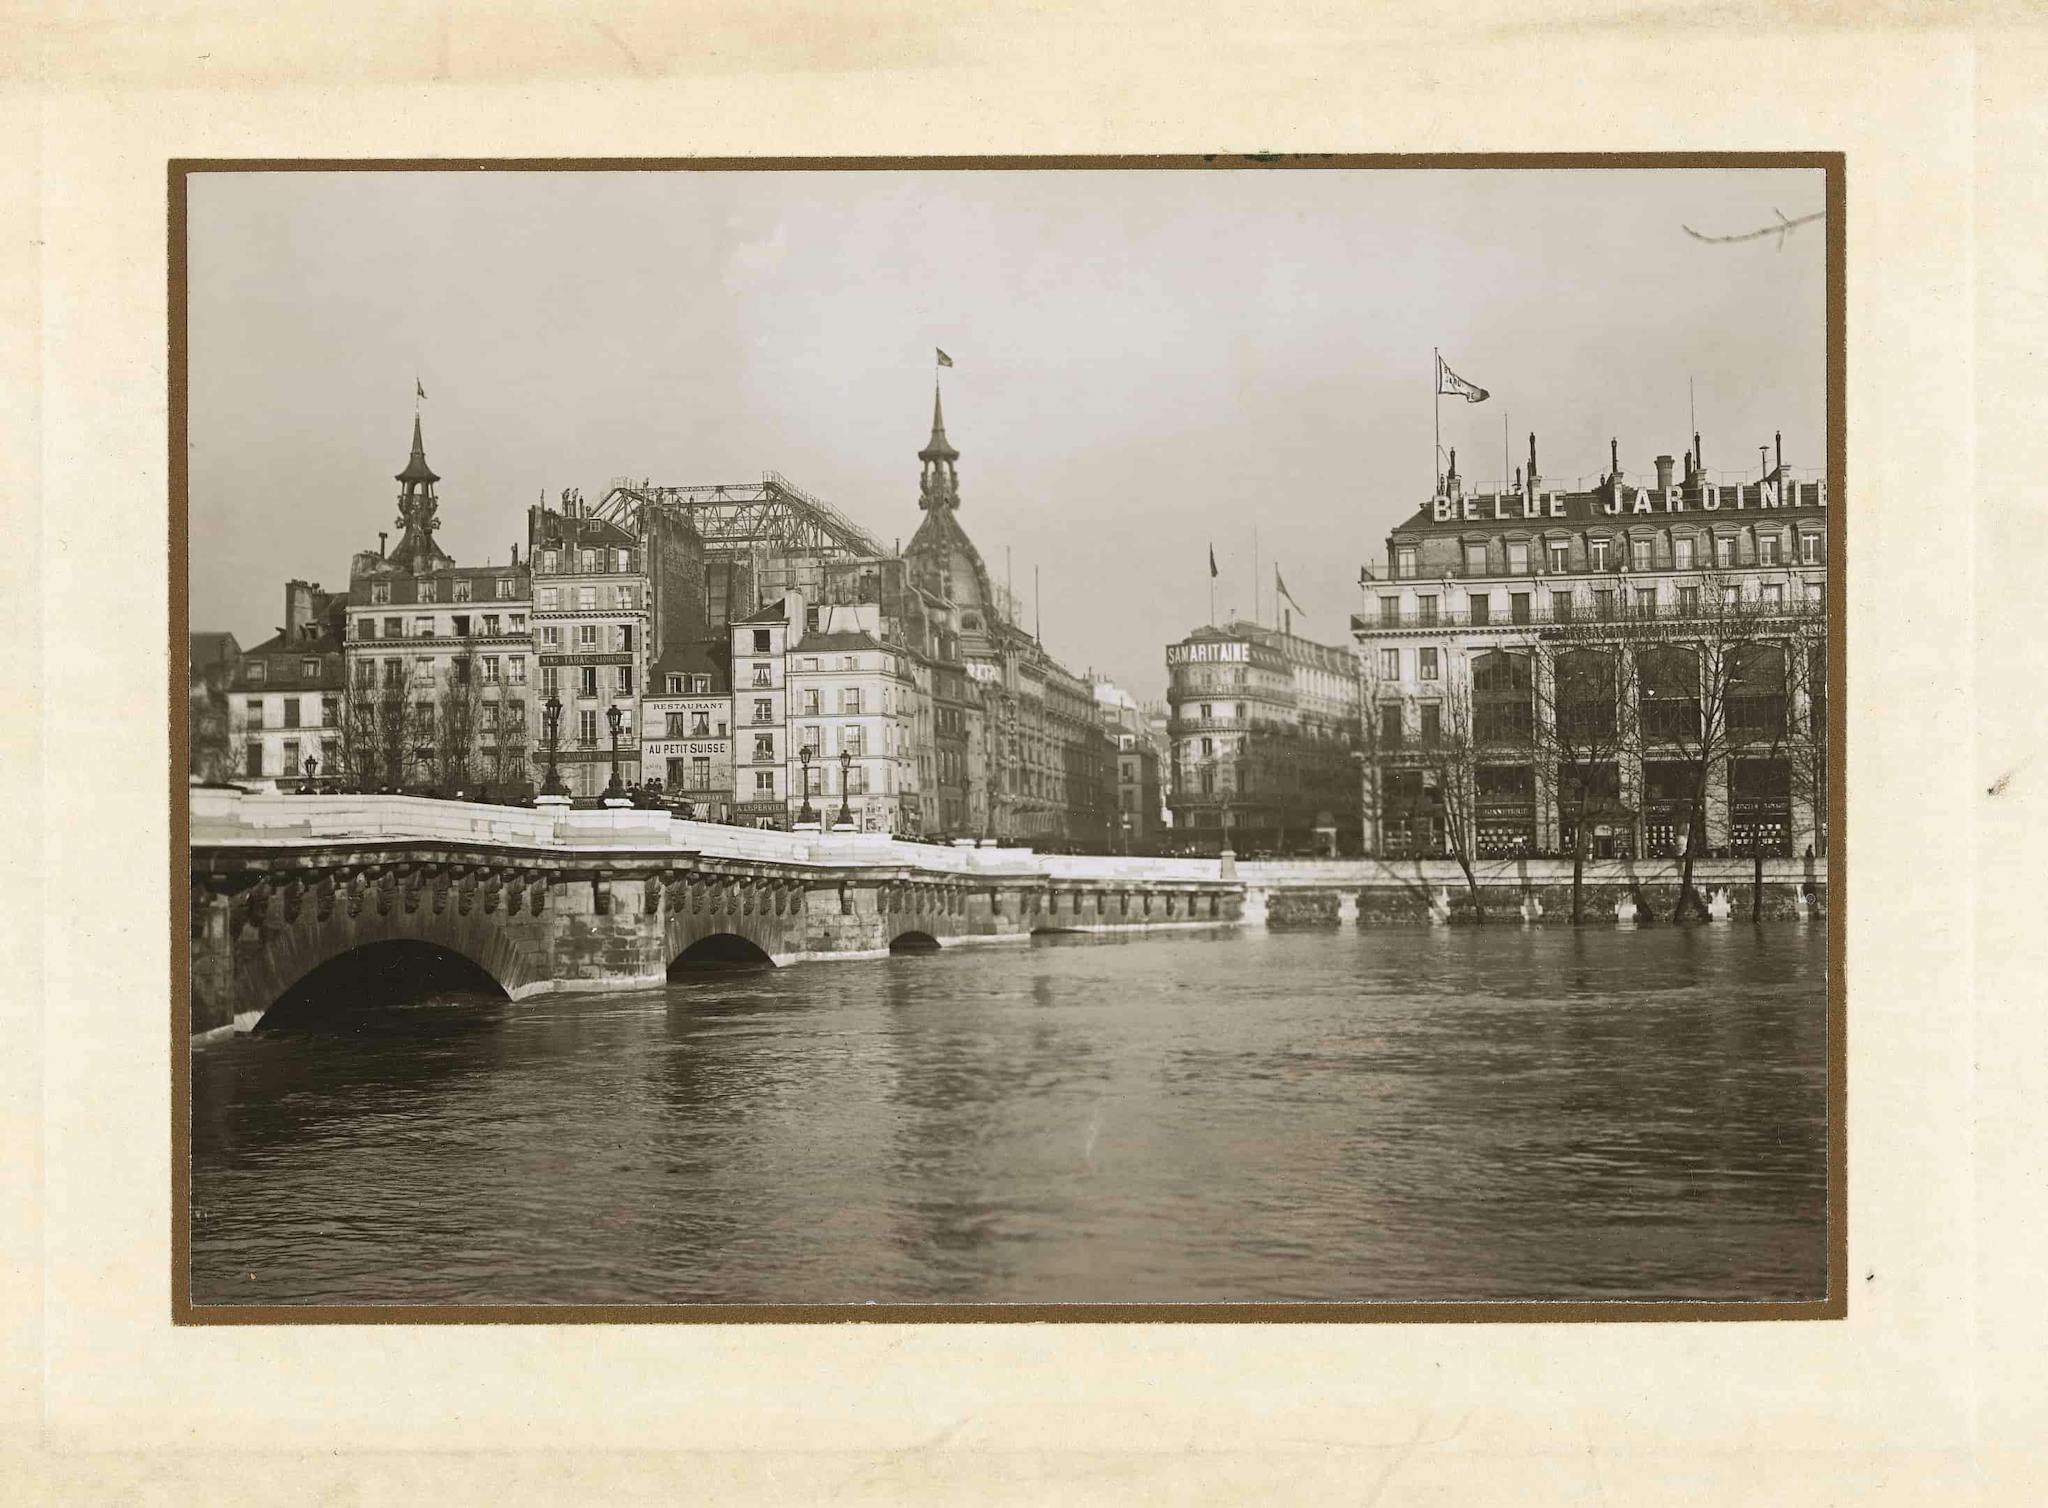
(1021, 739)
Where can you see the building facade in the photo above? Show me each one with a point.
(759, 648)
(1264, 732)
(590, 627)
(285, 702)
(439, 693)
(1639, 666)
(1035, 764)
(686, 727)
(1139, 800)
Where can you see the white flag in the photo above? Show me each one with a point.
(1448, 381)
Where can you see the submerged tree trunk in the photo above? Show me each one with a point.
(1688, 898)
(1579, 866)
(1472, 884)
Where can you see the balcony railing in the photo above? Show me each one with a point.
(1580, 615)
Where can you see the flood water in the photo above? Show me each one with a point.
(1445, 1114)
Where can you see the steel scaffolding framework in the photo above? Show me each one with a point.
(772, 517)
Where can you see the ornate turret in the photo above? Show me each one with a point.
(940, 481)
(418, 513)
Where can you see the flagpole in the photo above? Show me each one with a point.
(1258, 592)
(1436, 388)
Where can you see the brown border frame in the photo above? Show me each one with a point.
(1833, 1306)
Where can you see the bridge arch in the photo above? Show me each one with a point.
(393, 972)
(720, 950)
(913, 942)
(764, 931)
(271, 962)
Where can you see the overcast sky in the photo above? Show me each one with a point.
(1146, 362)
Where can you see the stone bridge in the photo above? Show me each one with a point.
(549, 900)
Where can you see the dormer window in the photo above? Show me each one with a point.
(380, 591)
(428, 591)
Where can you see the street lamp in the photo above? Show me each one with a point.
(553, 717)
(845, 771)
(613, 719)
(805, 814)
(312, 764)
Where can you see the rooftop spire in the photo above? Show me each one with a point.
(416, 469)
(418, 512)
(938, 447)
(939, 484)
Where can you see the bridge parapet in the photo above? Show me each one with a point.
(548, 900)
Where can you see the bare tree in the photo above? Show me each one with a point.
(1702, 693)
(391, 750)
(1584, 722)
(459, 722)
(1806, 646)
(508, 760)
(357, 747)
(1450, 762)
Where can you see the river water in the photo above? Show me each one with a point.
(1445, 1114)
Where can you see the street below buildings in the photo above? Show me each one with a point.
(1488, 1113)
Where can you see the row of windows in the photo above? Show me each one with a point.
(428, 590)
(589, 560)
(1607, 603)
(256, 672)
(591, 636)
(298, 711)
(689, 685)
(852, 740)
(490, 669)
(290, 764)
(1685, 554)
(693, 725)
(587, 680)
(585, 599)
(489, 625)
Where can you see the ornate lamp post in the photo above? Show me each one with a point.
(805, 814)
(613, 719)
(552, 714)
(845, 771)
(312, 765)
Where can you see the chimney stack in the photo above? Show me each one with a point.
(1779, 436)
(1699, 454)
(381, 537)
(515, 556)
(1452, 486)
(1663, 473)
(1614, 459)
(1534, 477)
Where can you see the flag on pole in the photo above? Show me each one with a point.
(1212, 562)
(1280, 583)
(944, 359)
(1449, 382)
(418, 390)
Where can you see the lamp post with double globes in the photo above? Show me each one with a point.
(552, 714)
(845, 782)
(614, 719)
(804, 813)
